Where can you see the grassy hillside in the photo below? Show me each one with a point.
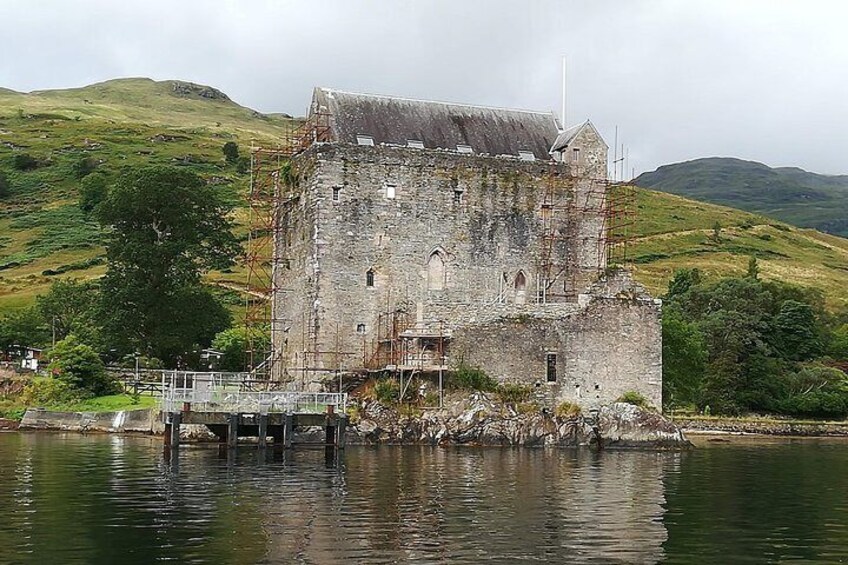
(788, 194)
(116, 124)
(672, 232)
(131, 122)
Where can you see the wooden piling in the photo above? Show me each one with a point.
(288, 432)
(232, 430)
(263, 430)
(174, 435)
(341, 428)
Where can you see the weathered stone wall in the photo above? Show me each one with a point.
(447, 237)
(611, 343)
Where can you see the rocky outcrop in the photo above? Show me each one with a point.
(478, 420)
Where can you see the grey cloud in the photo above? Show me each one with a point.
(760, 79)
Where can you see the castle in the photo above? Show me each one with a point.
(419, 237)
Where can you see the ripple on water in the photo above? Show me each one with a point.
(109, 499)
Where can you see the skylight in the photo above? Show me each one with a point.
(365, 140)
(415, 143)
(464, 149)
(526, 156)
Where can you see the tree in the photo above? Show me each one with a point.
(167, 226)
(838, 347)
(80, 367)
(5, 187)
(233, 343)
(24, 327)
(73, 307)
(93, 190)
(684, 357)
(716, 236)
(753, 268)
(682, 281)
(795, 336)
(231, 152)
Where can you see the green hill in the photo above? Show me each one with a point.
(131, 122)
(788, 194)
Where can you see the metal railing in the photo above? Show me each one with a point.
(217, 392)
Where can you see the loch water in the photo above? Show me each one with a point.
(68, 498)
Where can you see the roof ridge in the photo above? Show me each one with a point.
(406, 99)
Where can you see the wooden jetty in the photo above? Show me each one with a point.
(230, 410)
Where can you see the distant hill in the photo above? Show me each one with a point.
(786, 193)
(134, 122)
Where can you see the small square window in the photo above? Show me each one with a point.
(464, 149)
(360, 328)
(365, 140)
(526, 156)
(415, 143)
(390, 191)
(336, 193)
(457, 196)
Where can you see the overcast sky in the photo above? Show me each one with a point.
(762, 80)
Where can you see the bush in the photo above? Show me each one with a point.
(472, 378)
(47, 391)
(386, 391)
(24, 162)
(93, 191)
(83, 167)
(231, 152)
(513, 393)
(634, 398)
(243, 165)
(80, 367)
(567, 409)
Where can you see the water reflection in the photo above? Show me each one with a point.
(108, 499)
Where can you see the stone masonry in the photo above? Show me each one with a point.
(400, 251)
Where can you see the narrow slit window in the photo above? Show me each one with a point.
(526, 156)
(369, 278)
(336, 193)
(366, 140)
(464, 149)
(390, 191)
(551, 367)
(415, 143)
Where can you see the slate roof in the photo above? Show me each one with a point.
(439, 125)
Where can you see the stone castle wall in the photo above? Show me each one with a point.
(397, 211)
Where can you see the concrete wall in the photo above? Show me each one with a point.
(123, 421)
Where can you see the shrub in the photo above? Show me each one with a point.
(83, 167)
(243, 165)
(386, 391)
(24, 162)
(48, 391)
(527, 408)
(231, 152)
(513, 393)
(634, 398)
(472, 378)
(567, 409)
(5, 187)
(80, 367)
(93, 191)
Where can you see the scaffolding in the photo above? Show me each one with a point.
(269, 199)
(620, 221)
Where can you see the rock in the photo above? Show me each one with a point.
(478, 420)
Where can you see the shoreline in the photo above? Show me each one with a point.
(762, 427)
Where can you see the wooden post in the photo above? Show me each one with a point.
(288, 431)
(176, 419)
(341, 427)
(330, 431)
(263, 430)
(232, 430)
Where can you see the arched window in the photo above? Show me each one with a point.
(369, 277)
(435, 271)
(520, 288)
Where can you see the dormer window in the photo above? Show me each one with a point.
(415, 143)
(464, 149)
(366, 140)
(526, 156)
